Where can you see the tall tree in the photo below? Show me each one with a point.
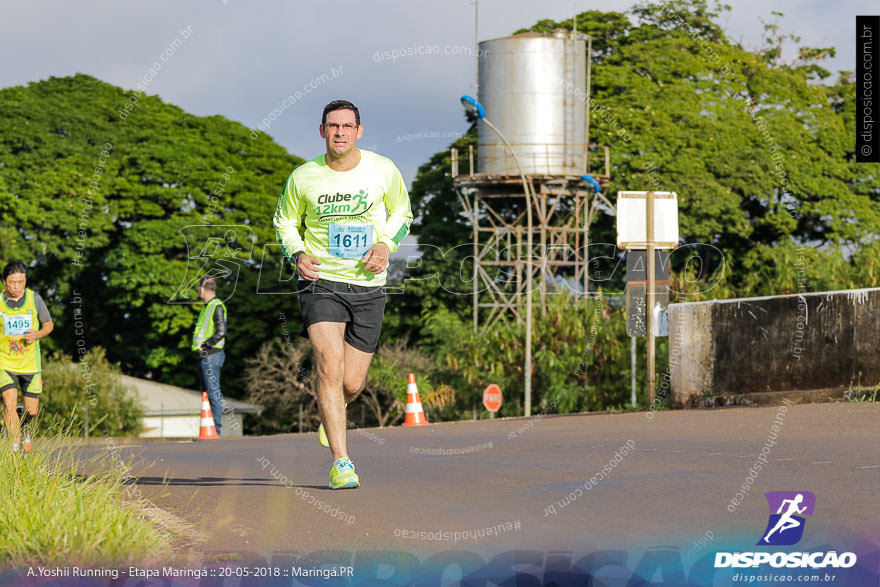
(120, 202)
(760, 152)
(758, 146)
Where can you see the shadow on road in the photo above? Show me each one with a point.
(203, 481)
(216, 481)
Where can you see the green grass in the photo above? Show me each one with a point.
(53, 515)
(858, 393)
(862, 395)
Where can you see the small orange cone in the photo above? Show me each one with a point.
(415, 415)
(206, 428)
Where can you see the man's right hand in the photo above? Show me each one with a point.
(307, 267)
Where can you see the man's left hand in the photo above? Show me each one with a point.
(30, 336)
(376, 259)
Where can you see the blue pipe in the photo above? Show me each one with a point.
(590, 180)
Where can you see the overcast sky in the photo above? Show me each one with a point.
(243, 58)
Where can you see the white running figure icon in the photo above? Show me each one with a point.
(786, 522)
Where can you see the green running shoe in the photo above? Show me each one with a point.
(342, 475)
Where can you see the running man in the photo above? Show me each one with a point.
(25, 321)
(357, 211)
(786, 522)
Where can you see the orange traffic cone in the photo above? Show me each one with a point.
(415, 415)
(206, 428)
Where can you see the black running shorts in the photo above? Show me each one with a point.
(31, 384)
(360, 307)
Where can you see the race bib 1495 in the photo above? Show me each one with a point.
(17, 324)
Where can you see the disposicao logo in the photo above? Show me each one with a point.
(786, 528)
(786, 525)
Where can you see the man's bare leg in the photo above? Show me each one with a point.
(356, 364)
(31, 407)
(327, 340)
(10, 417)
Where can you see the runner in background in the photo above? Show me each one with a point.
(25, 321)
(356, 211)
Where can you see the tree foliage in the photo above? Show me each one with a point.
(762, 157)
(282, 377)
(93, 384)
(102, 191)
(761, 154)
(581, 357)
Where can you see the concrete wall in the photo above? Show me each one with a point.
(808, 341)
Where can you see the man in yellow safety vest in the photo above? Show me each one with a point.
(209, 339)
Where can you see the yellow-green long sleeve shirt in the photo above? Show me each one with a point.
(346, 213)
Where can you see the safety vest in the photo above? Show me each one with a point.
(205, 325)
(15, 354)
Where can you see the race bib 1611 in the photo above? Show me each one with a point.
(350, 241)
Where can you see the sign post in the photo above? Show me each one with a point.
(632, 348)
(648, 220)
(492, 399)
(637, 292)
(649, 319)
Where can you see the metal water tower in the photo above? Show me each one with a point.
(535, 89)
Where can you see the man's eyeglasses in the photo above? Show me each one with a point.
(347, 127)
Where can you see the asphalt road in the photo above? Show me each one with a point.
(537, 483)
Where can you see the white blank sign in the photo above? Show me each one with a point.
(632, 230)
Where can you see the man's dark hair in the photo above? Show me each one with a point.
(209, 283)
(12, 267)
(340, 105)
